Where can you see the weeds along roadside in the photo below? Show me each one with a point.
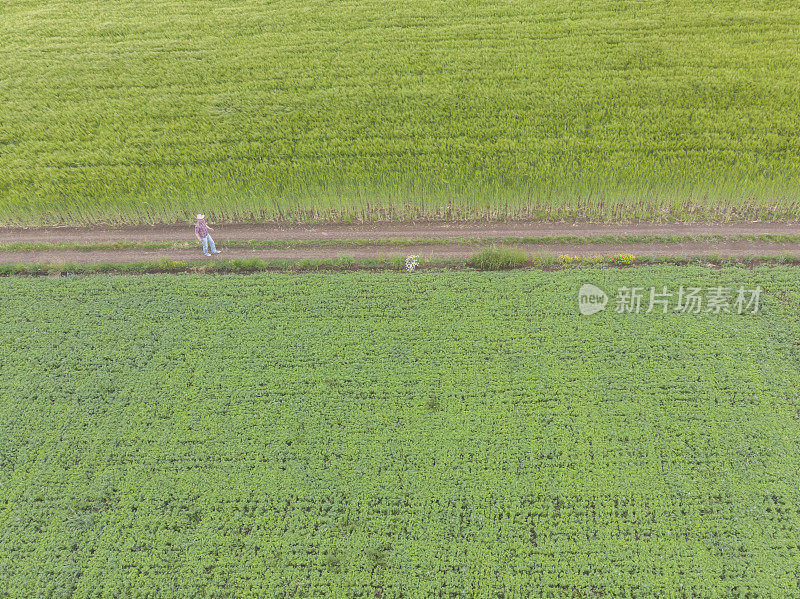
(491, 259)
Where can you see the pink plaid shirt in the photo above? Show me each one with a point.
(201, 228)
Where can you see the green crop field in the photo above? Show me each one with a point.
(434, 434)
(137, 111)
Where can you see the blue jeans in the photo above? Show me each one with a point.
(207, 241)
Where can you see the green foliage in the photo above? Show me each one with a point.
(459, 434)
(259, 111)
(432, 403)
(393, 242)
(498, 258)
(398, 262)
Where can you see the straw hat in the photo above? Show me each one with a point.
(201, 216)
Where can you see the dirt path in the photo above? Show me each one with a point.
(383, 231)
(734, 248)
(415, 230)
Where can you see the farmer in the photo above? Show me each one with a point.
(201, 230)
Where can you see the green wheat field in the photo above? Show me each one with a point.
(439, 434)
(123, 112)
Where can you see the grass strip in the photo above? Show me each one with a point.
(397, 263)
(43, 246)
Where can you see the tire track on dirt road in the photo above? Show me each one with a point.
(413, 230)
